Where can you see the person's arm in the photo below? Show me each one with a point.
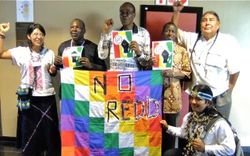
(183, 38)
(223, 140)
(177, 7)
(105, 43)
(52, 69)
(177, 131)
(4, 54)
(233, 79)
(58, 58)
(171, 129)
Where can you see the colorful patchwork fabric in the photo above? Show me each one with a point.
(111, 113)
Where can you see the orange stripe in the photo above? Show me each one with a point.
(66, 62)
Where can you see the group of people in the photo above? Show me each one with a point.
(206, 59)
(214, 74)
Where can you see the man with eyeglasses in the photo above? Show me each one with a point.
(140, 43)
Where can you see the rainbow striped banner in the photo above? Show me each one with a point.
(111, 113)
(163, 54)
(121, 41)
(71, 56)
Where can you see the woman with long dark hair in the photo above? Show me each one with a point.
(38, 122)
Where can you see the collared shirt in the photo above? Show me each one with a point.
(140, 35)
(212, 60)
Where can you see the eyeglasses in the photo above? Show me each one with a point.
(38, 34)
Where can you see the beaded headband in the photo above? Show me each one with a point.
(202, 95)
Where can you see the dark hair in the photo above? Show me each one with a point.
(34, 26)
(31, 28)
(210, 110)
(80, 21)
(212, 13)
(167, 24)
(130, 4)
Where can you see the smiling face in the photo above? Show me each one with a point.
(169, 32)
(210, 24)
(77, 30)
(36, 38)
(127, 15)
(197, 104)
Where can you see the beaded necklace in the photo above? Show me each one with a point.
(194, 129)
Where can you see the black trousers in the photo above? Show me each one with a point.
(38, 128)
(168, 141)
(173, 152)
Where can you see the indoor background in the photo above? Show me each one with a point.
(56, 16)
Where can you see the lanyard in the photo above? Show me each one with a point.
(192, 51)
(71, 43)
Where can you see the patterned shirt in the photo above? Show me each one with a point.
(172, 86)
(105, 49)
(34, 69)
(219, 140)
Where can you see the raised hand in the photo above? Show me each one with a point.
(178, 6)
(4, 27)
(107, 25)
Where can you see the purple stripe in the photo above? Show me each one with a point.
(67, 123)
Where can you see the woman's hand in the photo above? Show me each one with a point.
(198, 145)
(52, 69)
(164, 123)
(4, 27)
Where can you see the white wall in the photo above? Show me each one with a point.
(56, 16)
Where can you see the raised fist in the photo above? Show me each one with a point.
(4, 27)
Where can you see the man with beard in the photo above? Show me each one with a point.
(89, 58)
(140, 44)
